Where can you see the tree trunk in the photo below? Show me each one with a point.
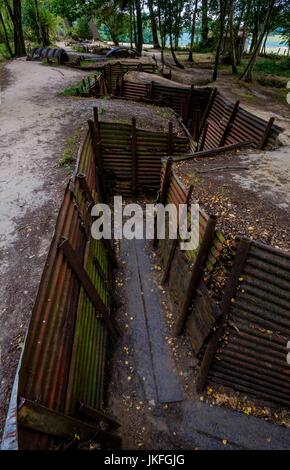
(37, 17)
(176, 61)
(204, 23)
(190, 58)
(18, 31)
(139, 45)
(247, 74)
(7, 44)
(156, 44)
(219, 46)
(233, 39)
(16, 18)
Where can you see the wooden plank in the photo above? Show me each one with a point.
(266, 134)
(39, 418)
(97, 415)
(175, 242)
(134, 157)
(230, 292)
(87, 284)
(196, 274)
(85, 188)
(230, 123)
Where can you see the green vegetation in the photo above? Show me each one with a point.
(69, 152)
(279, 67)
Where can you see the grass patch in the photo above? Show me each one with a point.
(69, 152)
(78, 89)
(3, 53)
(278, 67)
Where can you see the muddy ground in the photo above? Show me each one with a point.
(38, 127)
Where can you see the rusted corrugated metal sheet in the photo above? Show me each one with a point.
(63, 361)
(194, 306)
(245, 126)
(251, 354)
(151, 147)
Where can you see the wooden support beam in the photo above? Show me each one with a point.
(170, 139)
(213, 152)
(197, 272)
(81, 177)
(229, 123)
(229, 294)
(87, 284)
(134, 158)
(203, 139)
(98, 159)
(175, 242)
(208, 108)
(39, 418)
(163, 193)
(97, 415)
(266, 134)
(189, 105)
(166, 181)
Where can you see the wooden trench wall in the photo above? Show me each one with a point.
(60, 381)
(242, 340)
(59, 389)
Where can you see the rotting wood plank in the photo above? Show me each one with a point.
(197, 271)
(39, 418)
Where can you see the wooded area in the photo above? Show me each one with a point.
(220, 26)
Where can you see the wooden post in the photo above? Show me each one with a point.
(85, 281)
(85, 188)
(176, 241)
(190, 102)
(170, 139)
(197, 272)
(163, 193)
(229, 294)
(266, 134)
(166, 181)
(100, 182)
(122, 86)
(36, 417)
(203, 139)
(134, 158)
(230, 123)
(208, 108)
(151, 91)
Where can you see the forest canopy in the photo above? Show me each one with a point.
(220, 26)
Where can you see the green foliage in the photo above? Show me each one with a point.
(279, 67)
(69, 152)
(48, 22)
(80, 29)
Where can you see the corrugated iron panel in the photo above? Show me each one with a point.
(63, 359)
(252, 354)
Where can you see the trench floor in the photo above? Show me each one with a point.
(152, 383)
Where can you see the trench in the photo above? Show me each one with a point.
(152, 398)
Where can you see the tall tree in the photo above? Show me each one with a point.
(233, 38)
(192, 35)
(204, 23)
(156, 44)
(15, 14)
(222, 15)
(139, 45)
(248, 72)
(6, 36)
